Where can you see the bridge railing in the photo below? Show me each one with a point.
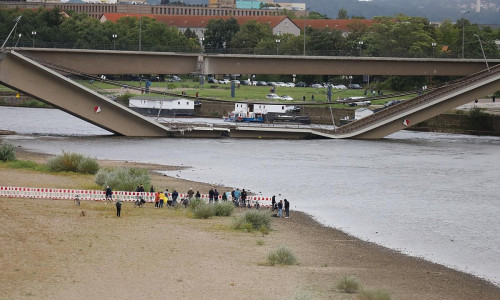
(418, 101)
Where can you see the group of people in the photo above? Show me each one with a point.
(279, 206)
(239, 198)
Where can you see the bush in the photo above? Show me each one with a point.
(258, 219)
(224, 209)
(374, 295)
(204, 211)
(88, 166)
(282, 256)
(348, 284)
(7, 152)
(73, 162)
(122, 179)
(195, 203)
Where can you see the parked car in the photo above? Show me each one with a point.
(289, 84)
(286, 97)
(236, 82)
(301, 84)
(340, 87)
(355, 86)
(261, 83)
(224, 81)
(212, 80)
(245, 82)
(174, 78)
(273, 96)
(317, 86)
(271, 83)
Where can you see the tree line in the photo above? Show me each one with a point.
(399, 36)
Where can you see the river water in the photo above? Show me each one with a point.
(425, 194)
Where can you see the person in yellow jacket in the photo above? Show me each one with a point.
(163, 198)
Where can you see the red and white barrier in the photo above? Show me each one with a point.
(95, 195)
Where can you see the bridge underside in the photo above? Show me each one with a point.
(31, 78)
(134, 62)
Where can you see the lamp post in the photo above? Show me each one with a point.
(277, 46)
(19, 37)
(114, 36)
(360, 43)
(482, 50)
(33, 34)
(463, 12)
(433, 46)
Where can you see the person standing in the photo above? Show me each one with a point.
(157, 200)
(287, 209)
(273, 203)
(211, 196)
(162, 199)
(224, 197)
(190, 193)
(109, 194)
(280, 209)
(174, 197)
(244, 197)
(118, 208)
(198, 195)
(228, 195)
(216, 195)
(152, 189)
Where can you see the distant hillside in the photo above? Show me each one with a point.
(435, 11)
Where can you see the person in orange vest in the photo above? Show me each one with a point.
(157, 200)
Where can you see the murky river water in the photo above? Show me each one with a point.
(429, 195)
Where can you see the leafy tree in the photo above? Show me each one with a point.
(250, 35)
(190, 34)
(219, 33)
(315, 15)
(323, 41)
(342, 15)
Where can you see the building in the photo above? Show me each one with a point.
(279, 24)
(222, 3)
(154, 106)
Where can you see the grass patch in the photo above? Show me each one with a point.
(282, 256)
(123, 179)
(260, 242)
(7, 152)
(25, 164)
(374, 295)
(348, 284)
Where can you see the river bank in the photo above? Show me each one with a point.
(50, 251)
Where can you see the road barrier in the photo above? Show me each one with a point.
(95, 195)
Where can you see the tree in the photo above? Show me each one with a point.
(219, 33)
(342, 15)
(315, 15)
(250, 35)
(190, 34)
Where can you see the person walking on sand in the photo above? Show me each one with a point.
(118, 208)
(280, 209)
(287, 209)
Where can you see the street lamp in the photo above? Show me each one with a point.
(277, 46)
(360, 43)
(33, 33)
(482, 50)
(114, 36)
(433, 46)
(19, 37)
(463, 12)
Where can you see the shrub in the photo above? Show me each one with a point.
(260, 242)
(348, 284)
(224, 209)
(7, 152)
(374, 295)
(88, 166)
(258, 219)
(123, 179)
(195, 203)
(67, 161)
(282, 256)
(204, 211)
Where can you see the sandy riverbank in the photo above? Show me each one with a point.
(48, 251)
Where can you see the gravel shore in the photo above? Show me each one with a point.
(48, 250)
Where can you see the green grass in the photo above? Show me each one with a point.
(252, 220)
(26, 165)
